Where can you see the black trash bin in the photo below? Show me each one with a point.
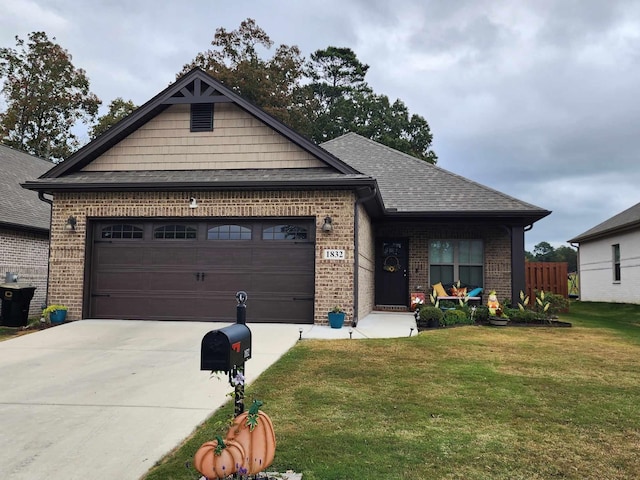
(16, 298)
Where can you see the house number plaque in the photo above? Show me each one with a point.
(334, 255)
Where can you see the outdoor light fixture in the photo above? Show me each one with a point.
(193, 202)
(328, 224)
(71, 224)
(410, 331)
(350, 333)
(300, 332)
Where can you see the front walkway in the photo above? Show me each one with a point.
(374, 325)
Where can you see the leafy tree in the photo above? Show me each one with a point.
(569, 255)
(322, 98)
(544, 252)
(235, 61)
(342, 102)
(45, 96)
(118, 109)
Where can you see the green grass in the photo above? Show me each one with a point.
(460, 403)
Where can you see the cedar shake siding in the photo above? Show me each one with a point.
(238, 141)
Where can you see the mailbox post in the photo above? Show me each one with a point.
(227, 349)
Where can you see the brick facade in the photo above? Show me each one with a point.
(497, 251)
(26, 254)
(333, 278)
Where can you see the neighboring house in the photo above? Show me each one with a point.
(24, 223)
(199, 194)
(609, 259)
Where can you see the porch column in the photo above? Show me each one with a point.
(518, 282)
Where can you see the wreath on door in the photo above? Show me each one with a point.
(391, 264)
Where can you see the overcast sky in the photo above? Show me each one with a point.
(538, 99)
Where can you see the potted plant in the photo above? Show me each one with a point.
(336, 317)
(55, 313)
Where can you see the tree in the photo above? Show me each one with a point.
(45, 95)
(118, 109)
(544, 252)
(235, 61)
(343, 102)
(322, 98)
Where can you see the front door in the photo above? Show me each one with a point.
(392, 281)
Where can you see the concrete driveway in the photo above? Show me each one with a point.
(108, 398)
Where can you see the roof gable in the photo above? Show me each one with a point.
(19, 207)
(626, 220)
(195, 86)
(410, 186)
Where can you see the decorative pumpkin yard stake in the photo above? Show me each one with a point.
(254, 431)
(250, 443)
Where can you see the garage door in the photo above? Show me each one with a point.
(176, 270)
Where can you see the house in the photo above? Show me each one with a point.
(199, 194)
(24, 223)
(608, 256)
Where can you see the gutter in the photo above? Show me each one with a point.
(50, 202)
(356, 252)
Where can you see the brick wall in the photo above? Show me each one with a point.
(26, 254)
(333, 278)
(497, 251)
(366, 263)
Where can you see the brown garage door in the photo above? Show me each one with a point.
(176, 270)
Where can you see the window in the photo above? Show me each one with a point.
(202, 117)
(284, 232)
(616, 262)
(453, 260)
(229, 232)
(121, 231)
(174, 232)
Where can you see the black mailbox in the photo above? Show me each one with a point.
(224, 349)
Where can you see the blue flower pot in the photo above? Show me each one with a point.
(58, 316)
(336, 320)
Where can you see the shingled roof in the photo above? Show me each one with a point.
(622, 222)
(411, 186)
(20, 208)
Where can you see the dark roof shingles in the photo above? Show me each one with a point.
(623, 220)
(19, 206)
(409, 184)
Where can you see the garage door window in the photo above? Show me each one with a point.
(285, 232)
(229, 232)
(121, 231)
(174, 232)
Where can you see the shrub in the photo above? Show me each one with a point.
(558, 304)
(429, 314)
(482, 314)
(522, 316)
(448, 304)
(455, 317)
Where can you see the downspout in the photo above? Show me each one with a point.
(356, 252)
(50, 202)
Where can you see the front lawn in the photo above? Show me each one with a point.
(460, 403)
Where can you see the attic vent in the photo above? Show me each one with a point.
(202, 117)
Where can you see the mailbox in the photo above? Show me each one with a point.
(226, 348)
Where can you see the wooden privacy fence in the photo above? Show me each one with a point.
(548, 276)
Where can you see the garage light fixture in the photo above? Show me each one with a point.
(71, 224)
(328, 224)
(193, 203)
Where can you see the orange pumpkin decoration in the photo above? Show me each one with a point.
(219, 459)
(254, 430)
